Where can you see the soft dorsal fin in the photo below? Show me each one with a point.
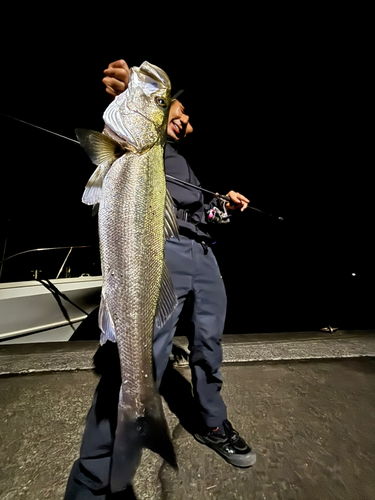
(167, 299)
(170, 222)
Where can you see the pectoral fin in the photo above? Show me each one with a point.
(99, 147)
(102, 151)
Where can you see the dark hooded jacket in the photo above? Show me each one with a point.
(189, 202)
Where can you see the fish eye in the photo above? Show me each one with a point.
(160, 102)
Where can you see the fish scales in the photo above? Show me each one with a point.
(135, 217)
(133, 256)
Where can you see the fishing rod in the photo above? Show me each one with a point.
(221, 197)
(40, 128)
(217, 195)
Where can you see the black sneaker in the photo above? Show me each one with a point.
(227, 442)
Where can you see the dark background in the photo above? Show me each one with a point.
(279, 102)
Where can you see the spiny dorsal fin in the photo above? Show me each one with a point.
(170, 221)
(167, 299)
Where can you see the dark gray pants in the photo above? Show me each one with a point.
(194, 273)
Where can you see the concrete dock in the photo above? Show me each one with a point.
(305, 401)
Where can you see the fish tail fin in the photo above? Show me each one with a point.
(132, 435)
(156, 431)
(127, 450)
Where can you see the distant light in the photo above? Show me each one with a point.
(354, 274)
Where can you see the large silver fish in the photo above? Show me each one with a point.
(135, 218)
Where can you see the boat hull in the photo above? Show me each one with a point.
(29, 312)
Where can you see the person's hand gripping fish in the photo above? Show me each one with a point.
(116, 78)
(116, 81)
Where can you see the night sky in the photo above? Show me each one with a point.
(280, 110)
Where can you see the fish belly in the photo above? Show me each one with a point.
(131, 222)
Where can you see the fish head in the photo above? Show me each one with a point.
(140, 114)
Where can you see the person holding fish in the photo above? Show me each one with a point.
(130, 195)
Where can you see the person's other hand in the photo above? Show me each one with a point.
(238, 201)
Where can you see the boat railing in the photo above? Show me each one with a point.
(58, 265)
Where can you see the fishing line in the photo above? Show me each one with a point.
(216, 195)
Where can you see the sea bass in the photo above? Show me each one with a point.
(135, 217)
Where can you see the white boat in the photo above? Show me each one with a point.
(46, 310)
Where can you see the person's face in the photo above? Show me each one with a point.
(178, 122)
